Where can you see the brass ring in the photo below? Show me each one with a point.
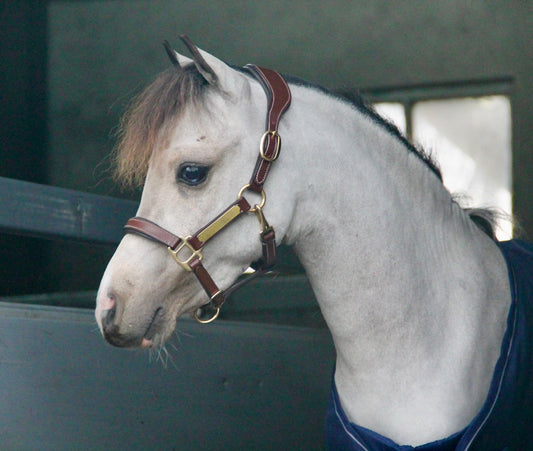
(263, 198)
(209, 320)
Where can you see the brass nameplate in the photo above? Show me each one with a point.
(217, 225)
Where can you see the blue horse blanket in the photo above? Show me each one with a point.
(505, 422)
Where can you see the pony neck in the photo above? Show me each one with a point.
(415, 296)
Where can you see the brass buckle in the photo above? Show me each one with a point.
(274, 135)
(195, 253)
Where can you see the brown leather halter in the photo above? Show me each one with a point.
(187, 251)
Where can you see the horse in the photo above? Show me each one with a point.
(422, 302)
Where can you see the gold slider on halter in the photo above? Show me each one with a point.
(270, 134)
(219, 223)
(195, 253)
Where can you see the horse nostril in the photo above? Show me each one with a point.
(106, 301)
(108, 318)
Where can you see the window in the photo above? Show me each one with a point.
(470, 137)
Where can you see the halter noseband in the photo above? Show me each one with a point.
(187, 251)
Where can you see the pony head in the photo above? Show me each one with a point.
(191, 138)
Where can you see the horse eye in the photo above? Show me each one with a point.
(192, 174)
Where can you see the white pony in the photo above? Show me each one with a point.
(415, 294)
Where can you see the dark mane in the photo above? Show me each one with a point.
(367, 109)
(484, 218)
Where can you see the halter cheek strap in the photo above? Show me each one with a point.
(187, 251)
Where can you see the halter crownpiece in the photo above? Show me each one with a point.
(188, 251)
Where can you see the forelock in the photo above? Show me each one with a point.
(150, 117)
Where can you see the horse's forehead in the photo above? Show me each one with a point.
(208, 128)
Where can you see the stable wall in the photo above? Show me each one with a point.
(230, 386)
(23, 146)
(99, 53)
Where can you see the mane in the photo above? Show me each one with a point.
(149, 119)
(366, 108)
(151, 115)
(485, 219)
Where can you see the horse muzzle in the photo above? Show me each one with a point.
(128, 336)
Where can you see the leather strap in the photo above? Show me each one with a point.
(279, 99)
(216, 296)
(154, 232)
(269, 248)
(150, 230)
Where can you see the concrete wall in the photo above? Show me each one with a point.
(232, 386)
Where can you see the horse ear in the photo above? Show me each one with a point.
(176, 59)
(201, 64)
(214, 71)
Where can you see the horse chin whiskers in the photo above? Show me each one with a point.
(160, 353)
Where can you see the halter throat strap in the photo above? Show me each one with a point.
(187, 251)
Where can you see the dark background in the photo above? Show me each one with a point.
(69, 67)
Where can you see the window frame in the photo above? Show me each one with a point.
(409, 96)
